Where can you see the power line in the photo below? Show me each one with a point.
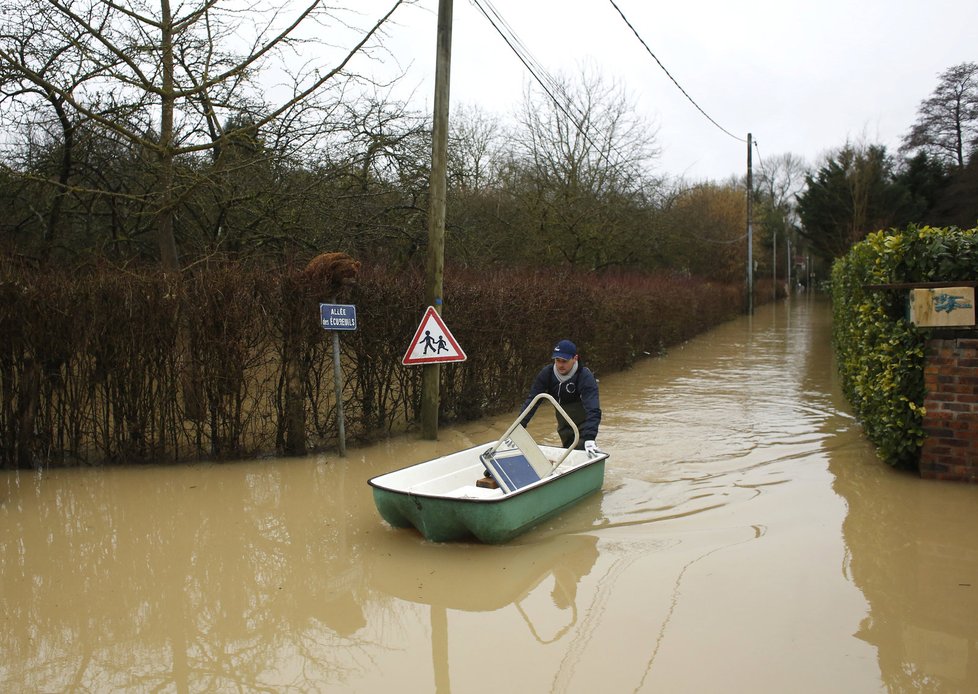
(547, 82)
(642, 41)
(522, 52)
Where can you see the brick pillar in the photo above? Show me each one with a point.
(950, 450)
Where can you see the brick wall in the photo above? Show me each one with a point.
(950, 451)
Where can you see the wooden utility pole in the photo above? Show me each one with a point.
(750, 232)
(437, 190)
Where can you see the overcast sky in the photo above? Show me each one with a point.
(801, 76)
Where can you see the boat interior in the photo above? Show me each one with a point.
(458, 475)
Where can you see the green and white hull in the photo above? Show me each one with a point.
(440, 497)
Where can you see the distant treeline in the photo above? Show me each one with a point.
(118, 366)
(103, 161)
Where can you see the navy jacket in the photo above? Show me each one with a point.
(582, 388)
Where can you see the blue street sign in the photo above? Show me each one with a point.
(338, 316)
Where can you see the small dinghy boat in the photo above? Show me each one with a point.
(490, 492)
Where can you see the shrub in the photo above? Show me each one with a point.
(880, 354)
(105, 365)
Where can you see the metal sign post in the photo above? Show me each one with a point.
(335, 318)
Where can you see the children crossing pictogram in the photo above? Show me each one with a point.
(433, 342)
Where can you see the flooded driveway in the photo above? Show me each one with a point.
(746, 539)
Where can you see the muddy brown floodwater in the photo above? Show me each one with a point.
(746, 539)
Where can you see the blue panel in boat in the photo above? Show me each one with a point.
(512, 470)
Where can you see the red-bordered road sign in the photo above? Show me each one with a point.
(433, 343)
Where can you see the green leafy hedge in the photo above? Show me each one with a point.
(880, 353)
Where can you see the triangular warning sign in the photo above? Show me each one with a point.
(433, 342)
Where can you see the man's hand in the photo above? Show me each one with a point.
(592, 448)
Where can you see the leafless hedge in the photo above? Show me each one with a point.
(110, 366)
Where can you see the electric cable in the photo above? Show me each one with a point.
(523, 53)
(649, 50)
(551, 85)
(547, 81)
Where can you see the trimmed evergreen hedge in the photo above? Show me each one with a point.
(880, 354)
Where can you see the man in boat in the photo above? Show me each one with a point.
(573, 386)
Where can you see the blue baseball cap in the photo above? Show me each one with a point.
(565, 349)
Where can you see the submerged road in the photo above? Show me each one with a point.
(746, 539)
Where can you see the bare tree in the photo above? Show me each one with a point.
(169, 78)
(780, 179)
(778, 182)
(49, 58)
(475, 149)
(947, 121)
(582, 151)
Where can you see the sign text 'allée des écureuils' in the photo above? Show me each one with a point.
(338, 316)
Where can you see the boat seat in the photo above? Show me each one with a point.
(470, 491)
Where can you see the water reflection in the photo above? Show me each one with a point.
(224, 577)
(196, 582)
(746, 539)
(912, 551)
(541, 590)
(914, 554)
(430, 574)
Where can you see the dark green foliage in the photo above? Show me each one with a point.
(851, 193)
(957, 202)
(880, 353)
(923, 180)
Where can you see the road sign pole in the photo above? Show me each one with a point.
(338, 389)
